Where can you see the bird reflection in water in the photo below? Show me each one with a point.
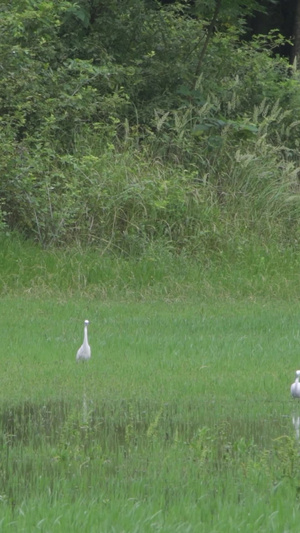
(295, 392)
(296, 424)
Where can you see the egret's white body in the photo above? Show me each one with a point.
(84, 352)
(295, 387)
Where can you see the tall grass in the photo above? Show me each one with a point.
(245, 268)
(189, 190)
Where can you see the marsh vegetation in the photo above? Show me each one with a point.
(182, 419)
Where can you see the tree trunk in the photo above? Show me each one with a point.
(210, 30)
(296, 51)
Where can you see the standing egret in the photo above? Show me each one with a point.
(84, 351)
(295, 387)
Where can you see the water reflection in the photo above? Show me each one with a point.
(296, 424)
(115, 424)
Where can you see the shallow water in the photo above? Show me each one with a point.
(31, 424)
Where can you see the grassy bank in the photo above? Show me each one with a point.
(251, 269)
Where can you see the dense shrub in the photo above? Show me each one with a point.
(114, 133)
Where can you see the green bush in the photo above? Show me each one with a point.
(109, 137)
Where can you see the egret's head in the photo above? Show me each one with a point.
(298, 373)
(87, 322)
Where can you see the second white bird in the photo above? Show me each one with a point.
(295, 387)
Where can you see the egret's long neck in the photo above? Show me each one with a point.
(85, 338)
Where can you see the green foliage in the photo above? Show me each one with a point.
(109, 138)
(46, 93)
(126, 199)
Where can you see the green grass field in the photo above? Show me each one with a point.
(181, 421)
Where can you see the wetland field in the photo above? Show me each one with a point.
(149, 183)
(182, 420)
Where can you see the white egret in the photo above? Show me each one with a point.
(84, 351)
(295, 387)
